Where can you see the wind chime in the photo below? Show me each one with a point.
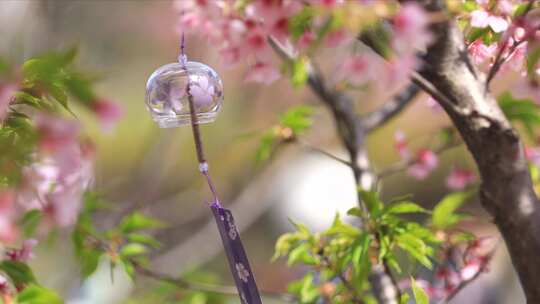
(191, 93)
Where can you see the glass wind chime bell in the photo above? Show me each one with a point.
(191, 93)
(168, 89)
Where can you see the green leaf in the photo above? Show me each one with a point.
(340, 228)
(525, 111)
(266, 146)
(89, 261)
(143, 239)
(404, 207)
(355, 211)
(4, 66)
(360, 258)
(138, 221)
(30, 221)
(300, 22)
(58, 93)
(133, 249)
(520, 9)
(80, 87)
(300, 73)
(34, 294)
(301, 228)
(128, 268)
(444, 212)
(301, 254)
(372, 201)
(420, 296)
(532, 59)
(416, 248)
(477, 33)
(298, 119)
(470, 5)
(404, 298)
(305, 288)
(18, 272)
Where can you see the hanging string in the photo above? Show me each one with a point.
(236, 255)
(203, 164)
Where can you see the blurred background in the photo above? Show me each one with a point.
(141, 167)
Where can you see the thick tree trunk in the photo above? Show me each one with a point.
(506, 191)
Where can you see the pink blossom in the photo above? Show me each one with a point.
(401, 145)
(263, 73)
(6, 93)
(61, 171)
(411, 31)
(469, 270)
(459, 179)
(328, 3)
(8, 229)
(57, 193)
(480, 52)
(482, 19)
(426, 162)
(24, 254)
(55, 133)
(107, 112)
(230, 55)
(359, 69)
(533, 155)
(516, 59)
(397, 71)
(4, 286)
(338, 38)
(306, 39)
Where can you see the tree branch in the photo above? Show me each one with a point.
(211, 288)
(352, 133)
(390, 109)
(507, 191)
(403, 165)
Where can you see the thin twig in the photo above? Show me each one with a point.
(211, 288)
(404, 164)
(390, 109)
(499, 59)
(466, 283)
(307, 146)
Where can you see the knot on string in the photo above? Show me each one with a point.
(182, 58)
(203, 167)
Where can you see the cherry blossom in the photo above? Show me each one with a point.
(24, 254)
(61, 172)
(359, 69)
(426, 161)
(400, 143)
(411, 32)
(263, 73)
(482, 18)
(107, 112)
(55, 133)
(533, 155)
(8, 229)
(6, 93)
(480, 52)
(459, 179)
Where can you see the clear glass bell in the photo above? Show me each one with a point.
(168, 90)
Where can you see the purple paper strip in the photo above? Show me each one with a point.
(238, 261)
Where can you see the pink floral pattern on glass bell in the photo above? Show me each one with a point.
(168, 90)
